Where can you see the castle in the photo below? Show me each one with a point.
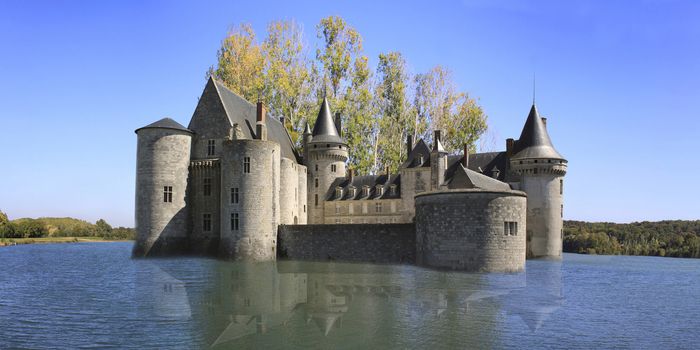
(233, 185)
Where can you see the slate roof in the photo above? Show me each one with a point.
(534, 140)
(242, 112)
(467, 178)
(165, 123)
(366, 180)
(324, 128)
(413, 161)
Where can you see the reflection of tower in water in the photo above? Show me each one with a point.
(541, 297)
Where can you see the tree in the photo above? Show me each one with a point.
(341, 43)
(240, 63)
(103, 228)
(393, 108)
(438, 105)
(359, 130)
(288, 78)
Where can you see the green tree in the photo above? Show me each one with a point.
(394, 110)
(102, 228)
(341, 43)
(359, 129)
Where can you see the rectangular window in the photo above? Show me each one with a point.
(333, 168)
(168, 194)
(206, 188)
(378, 207)
(304, 208)
(246, 165)
(562, 210)
(211, 147)
(234, 221)
(316, 199)
(510, 228)
(316, 182)
(206, 222)
(561, 186)
(234, 195)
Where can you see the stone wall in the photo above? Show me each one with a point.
(374, 243)
(468, 230)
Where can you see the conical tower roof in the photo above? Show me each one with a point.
(534, 140)
(165, 123)
(324, 129)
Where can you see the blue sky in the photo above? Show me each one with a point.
(618, 80)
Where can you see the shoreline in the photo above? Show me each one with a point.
(7, 242)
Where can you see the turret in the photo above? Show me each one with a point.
(326, 154)
(250, 205)
(541, 169)
(162, 160)
(438, 162)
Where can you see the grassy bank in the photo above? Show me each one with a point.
(46, 240)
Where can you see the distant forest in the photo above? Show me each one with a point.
(60, 227)
(673, 238)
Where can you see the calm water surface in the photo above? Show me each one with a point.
(93, 295)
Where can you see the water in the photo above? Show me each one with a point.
(92, 295)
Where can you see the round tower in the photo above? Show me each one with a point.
(326, 154)
(541, 169)
(162, 160)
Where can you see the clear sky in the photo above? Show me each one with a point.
(618, 80)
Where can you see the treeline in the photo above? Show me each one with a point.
(675, 238)
(379, 105)
(60, 227)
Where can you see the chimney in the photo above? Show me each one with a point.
(465, 160)
(436, 139)
(509, 147)
(351, 174)
(260, 127)
(387, 170)
(544, 121)
(338, 124)
(409, 144)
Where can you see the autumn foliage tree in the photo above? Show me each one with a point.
(378, 107)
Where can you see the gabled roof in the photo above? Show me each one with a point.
(466, 178)
(325, 129)
(534, 140)
(413, 160)
(165, 123)
(240, 111)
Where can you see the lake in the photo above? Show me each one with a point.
(93, 295)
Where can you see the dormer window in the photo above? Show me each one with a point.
(379, 190)
(339, 192)
(365, 191)
(420, 159)
(353, 191)
(392, 190)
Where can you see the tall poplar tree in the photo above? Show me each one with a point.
(394, 110)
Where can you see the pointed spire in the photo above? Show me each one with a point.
(324, 129)
(534, 140)
(307, 129)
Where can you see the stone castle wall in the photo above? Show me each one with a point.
(163, 157)
(374, 243)
(467, 230)
(544, 215)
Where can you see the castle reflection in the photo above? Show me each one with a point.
(302, 304)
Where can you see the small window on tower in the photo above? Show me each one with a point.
(168, 194)
(211, 147)
(316, 200)
(234, 221)
(316, 182)
(561, 186)
(510, 228)
(246, 165)
(234, 195)
(333, 168)
(316, 167)
(206, 188)
(206, 222)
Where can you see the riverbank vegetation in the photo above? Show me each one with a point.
(50, 230)
(675, 238)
